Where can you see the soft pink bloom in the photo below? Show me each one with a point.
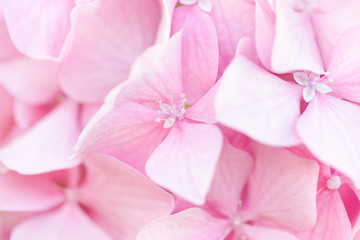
(153, 116)
(267, 108)
(332, 218)
(83, 202)
(105, 39)
(280, 194)
(300, 34)
(46, 146)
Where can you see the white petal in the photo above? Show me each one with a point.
(205, 5)
(188, 2)
(301, 78)
(323, 88)
(169, 122)
(308, 94)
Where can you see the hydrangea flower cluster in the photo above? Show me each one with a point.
(180, 119)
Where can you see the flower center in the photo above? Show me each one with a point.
(313, 83)
(172, 111)
(333, 183)
(70, 194)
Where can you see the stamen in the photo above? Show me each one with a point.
(173, 111)
(334, 182)
(313, 83)
(70, 194)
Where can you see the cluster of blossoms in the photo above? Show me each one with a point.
(180, 120)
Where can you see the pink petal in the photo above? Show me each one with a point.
(332, 221)
(257, 103)
(156, 74)
(28, 193)
(127, 131)
(185, 163)
(329, 127)
(6, 113)
(282, 189)
(38, 28)
(193, 223)
(8, 221)
(232, 172)
(264, 233)
(264, 31)
(294, 45)
(43, 81)
(336, 17)
(67, 223)
(7, 48)
(115, 33)
(47, 146)
(233, 21)
(204, 110)
(26, 115)
(122, 200)
(246, 47)
(343, 66)
(199, 51)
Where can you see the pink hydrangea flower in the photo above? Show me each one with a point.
(274, 199)
(83, 202)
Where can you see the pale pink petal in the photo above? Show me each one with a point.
(295, 45)
(199, 56)
(28, 193)
(9, 220)
(257, 103)
(282, 189)
(264, 233)
(246, 47)
(193, 223)
(185, 163)
(264, 31)
(233, 21)
(87, 111)
(38, 28)
(47, 146)
(330, 128)
(115, 33)
(66, 223)
(344, 66)
(127, 131)
(332, 221)
(25, 115)
(232, 172)
(122, 200)
(204, 110)
(32, 81)
(156, 74)
(7, 48)
(334, 18)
